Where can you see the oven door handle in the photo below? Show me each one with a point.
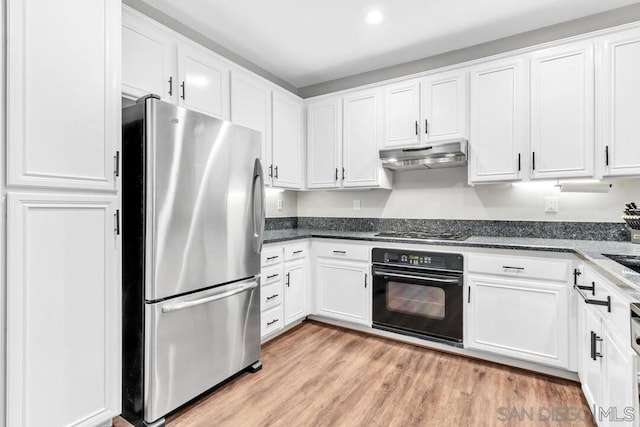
(425, 278)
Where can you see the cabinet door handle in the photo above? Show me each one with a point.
(343, 174)
(170, 85)
(270, 171)
(116, 222)
(533, 160)
(426, 126)
(594, 340)
(276, 172)
(606, 155)
(116, 164)
(519, 163)
(336, 174)
(288, 280)
(366, 276)
(416, 127)
(183, 90)
(469, 295)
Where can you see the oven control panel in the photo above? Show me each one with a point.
(436, 260)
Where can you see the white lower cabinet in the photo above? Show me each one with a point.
(63, 310)
(607, 365)
(527, 320)
(295, 291)
(343, 290)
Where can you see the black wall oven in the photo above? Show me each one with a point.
(418, 293)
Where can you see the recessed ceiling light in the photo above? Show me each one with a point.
(374, 17)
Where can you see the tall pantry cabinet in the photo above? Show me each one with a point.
(63, 344)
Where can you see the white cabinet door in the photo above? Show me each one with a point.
(620, 103)
(562, 111)
(499, 120)
(402, 114)
(343, 290)
(362, 135)
(63, 311)
(63, 93)
(589, 363)
(619, 382)
(204, 81)
(251, 107)
(324, 141)
(501, 309)
(287, 141)
(444, 106)
(148, 59)
(295, 291)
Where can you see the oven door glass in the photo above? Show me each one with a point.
(424, 301)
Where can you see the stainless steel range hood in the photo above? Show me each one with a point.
(445, 154)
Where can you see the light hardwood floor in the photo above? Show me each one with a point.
(320, 375)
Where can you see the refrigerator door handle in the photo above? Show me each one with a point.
(258, 214)
(224, 293)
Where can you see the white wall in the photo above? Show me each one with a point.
(444, 194)
(289, 203)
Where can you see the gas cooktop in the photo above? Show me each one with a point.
(422, 235)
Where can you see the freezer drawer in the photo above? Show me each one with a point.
(196, 341)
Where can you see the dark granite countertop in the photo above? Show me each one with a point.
(591, 251)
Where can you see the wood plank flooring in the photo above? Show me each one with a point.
(320, 375)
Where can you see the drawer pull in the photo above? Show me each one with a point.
(272, 297)
(272, 276)
(298, 252)
(272, 322)
(270, 258)
(508, 267)
(340, 252)
(606, 303)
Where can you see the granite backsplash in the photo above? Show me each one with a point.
(610, 231)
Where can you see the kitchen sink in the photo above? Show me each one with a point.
(629, 261)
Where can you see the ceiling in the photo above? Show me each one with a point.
(307, 42)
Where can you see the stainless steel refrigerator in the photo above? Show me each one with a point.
(192, 226)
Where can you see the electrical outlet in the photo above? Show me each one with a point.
(356, 205)
(280, 205)
(551, 204)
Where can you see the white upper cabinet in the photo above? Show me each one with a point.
(499, 104)
(619, 105)
(148, 59)
(251, 107)
(562, 111)
(444, 106)
(63, 96)
(362, 137)
(402, 114)
(204, 81)
(324, 141)
(286, 167)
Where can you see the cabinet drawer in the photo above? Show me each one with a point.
(295, 252)
(522, 267)
(271, 296)
(271, 274)
(602, 290)
(271, 256)
(342, 251)
(271, 320)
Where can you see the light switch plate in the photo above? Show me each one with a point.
(280, 205)
(356, 205)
